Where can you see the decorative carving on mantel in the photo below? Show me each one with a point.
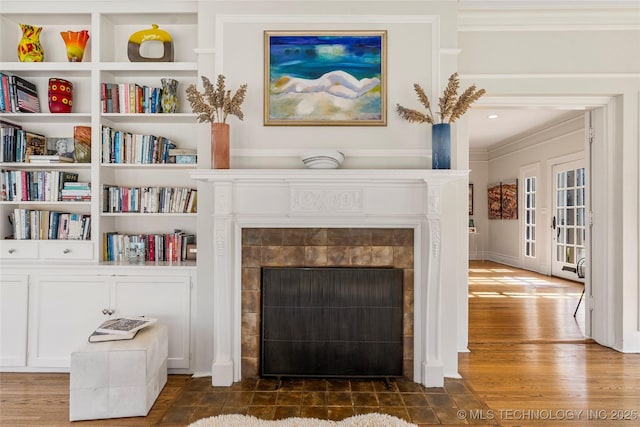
(436, 236)
(222, 198)
(220, 238)
(434, 200)
(306, 200)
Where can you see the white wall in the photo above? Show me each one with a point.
(231, 38)
(479, 177)
(421, 49)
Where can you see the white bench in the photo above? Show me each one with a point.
(116, 379)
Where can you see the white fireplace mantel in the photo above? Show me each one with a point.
(429, 201)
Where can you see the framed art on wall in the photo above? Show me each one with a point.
(503, 200)
(325, 78)
(493, 200)
(470, 199)
(509, 196)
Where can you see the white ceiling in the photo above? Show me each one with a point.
(510, 124)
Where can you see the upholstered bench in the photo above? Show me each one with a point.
(119, 378)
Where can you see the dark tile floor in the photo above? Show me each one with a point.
(332, 399)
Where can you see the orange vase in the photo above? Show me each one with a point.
(220, 146)
(75, 41)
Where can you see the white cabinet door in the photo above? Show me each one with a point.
(63, 311)
(166, 298)
(14, 294)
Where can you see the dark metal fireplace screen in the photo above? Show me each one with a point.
(331, 322)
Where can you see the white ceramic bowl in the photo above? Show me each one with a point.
(322, 159)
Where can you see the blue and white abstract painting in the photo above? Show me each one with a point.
(325, 78)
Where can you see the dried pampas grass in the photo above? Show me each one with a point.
(451, 106)
(216, 103)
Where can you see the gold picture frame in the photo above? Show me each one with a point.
(325, 78)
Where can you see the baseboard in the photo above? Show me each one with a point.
(504, 259)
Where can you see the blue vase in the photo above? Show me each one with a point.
(441, 146)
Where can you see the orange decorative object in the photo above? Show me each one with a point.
(219, 145)
(29, 47)
(60, 95)
(75, 41)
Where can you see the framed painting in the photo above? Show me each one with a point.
(494, 201)
(470, 199)
(325, 78)
(509, 197)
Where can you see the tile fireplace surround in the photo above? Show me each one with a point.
(248, 205)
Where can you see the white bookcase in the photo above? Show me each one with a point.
(105, 60)
(66, 283)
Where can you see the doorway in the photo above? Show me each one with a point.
(568, 239)
(579, 244)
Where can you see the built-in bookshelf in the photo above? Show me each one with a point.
(128, 146)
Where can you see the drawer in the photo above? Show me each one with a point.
(66, 249)
(18, 249)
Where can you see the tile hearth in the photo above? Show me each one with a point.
(324, 399)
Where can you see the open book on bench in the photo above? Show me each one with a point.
(121, 328)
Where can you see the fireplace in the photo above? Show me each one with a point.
(322, 247)
(426, 204)
(331, 322)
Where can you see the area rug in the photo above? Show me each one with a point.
(367, 420)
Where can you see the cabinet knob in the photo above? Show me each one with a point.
(66, 251)
(12, 251)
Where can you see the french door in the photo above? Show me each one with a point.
(569, 218)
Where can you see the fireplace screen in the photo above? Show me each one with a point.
(331, 322)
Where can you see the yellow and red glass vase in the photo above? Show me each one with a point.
(29, 48)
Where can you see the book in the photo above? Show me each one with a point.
(35, 144)
(182, 152)
(61, 146)
(26, 95)
(181, 159)
(5, 92)
(124, 325)
(104, 336)
(49, 158)
(82, 140)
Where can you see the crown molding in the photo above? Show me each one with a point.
(548, 16)
(542, 135)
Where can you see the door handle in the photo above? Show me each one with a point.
(553, 223)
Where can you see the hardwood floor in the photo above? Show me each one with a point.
(529, 364)
(529, 361)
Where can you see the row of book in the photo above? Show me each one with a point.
(147, 247)
(18, 95)
(130, 98)
(30, 224)
(149, 199)
(40, 186)
(19, 145)
(126, 147)
(76, 192)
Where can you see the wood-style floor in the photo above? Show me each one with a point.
(528, 364)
